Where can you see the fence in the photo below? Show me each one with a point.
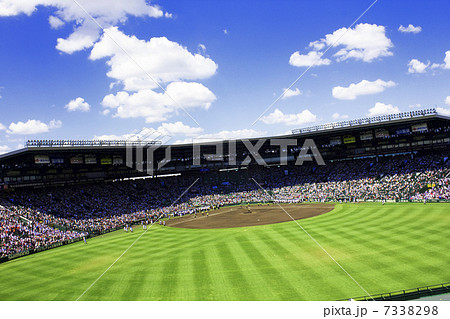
(36, 250)
(58, 244)
(408, 294)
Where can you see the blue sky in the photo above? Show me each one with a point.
(193, 70)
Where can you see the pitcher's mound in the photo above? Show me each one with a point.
(238, 216)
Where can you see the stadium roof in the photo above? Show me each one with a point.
(78, 143)
(319, 130)
(381, 119)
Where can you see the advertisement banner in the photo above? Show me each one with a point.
(381, 133)
(106, 161)
(76, 160)
(348, 139)
(366, 136)
(335, 141)
(402, 131)
(423, 127)
(57, 160)
(117, 160)
(41, 159)
(90, 160)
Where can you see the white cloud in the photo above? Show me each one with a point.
(223, 135)
(82, 38)
(443, 111)
(290, 93)
(410, 29)
(435, 66)
(157, 107)
(336, 116)
(313, 58)
(4, 149)
(415, 66)
(201, 48)
(78, 105)
(2, 127)
(225, 31)
(113, 137)
(178, 128)
(317, 45)
(11, 7)
(446, 64)
(170, 129)
(54, 124)
(145, 133)
(362, 88)
(181, 130)
(167, 62)
(154, 63)
(107, 12)
(33, 127)
(383, 109)
(164, 60)
(278, 117)
(447, 101)
(145, 103)
(364, 42)
(55, 22)
(418, 105)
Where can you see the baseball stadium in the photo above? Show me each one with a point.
(356, 209)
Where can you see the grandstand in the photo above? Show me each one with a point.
(45, 163)
(54, 193)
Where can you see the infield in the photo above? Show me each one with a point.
(254, 215)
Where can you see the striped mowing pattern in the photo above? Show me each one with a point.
(384, 247)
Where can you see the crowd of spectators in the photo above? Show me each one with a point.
(31, 218)
(23, 229)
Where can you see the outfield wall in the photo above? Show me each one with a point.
(58, 244)
(408, 294)
(36, 250)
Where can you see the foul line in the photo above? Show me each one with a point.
(187, 189)
(315, 241)
(132, 59)
(314, 63)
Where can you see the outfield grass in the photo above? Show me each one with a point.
(385, 248)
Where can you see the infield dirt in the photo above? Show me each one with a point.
(239, 216)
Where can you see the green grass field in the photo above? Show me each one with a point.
(385, 248)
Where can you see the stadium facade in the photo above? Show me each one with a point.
(50, 163)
